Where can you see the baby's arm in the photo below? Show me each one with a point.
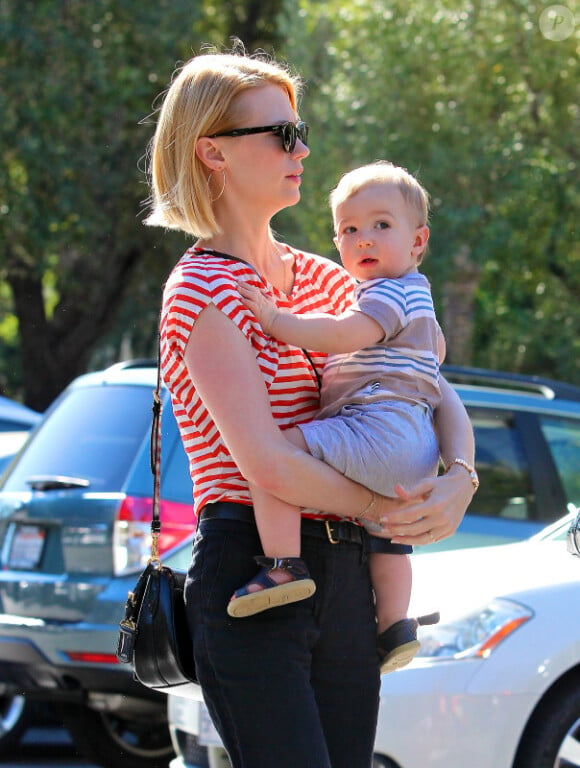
(325, 333)
(441, 346)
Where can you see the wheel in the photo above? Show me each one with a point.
(552, 736)
(114, 741)
(383, 762)
(15, 717)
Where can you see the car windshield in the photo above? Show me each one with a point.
(563, 437)
(93, 436)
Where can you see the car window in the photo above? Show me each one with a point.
(93, 433)
(563, 438)
(506, 489)
(176, 481)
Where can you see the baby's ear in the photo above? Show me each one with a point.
(420, 244)
(335, 241)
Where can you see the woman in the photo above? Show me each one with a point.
(297, 686)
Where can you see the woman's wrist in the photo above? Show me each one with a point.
(367, 513)
(467, 467)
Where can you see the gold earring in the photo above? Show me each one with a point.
(209, 178)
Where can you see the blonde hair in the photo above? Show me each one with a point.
(382, 172)
(201, 101)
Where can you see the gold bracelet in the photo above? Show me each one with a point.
(370, 506)
(466, 465)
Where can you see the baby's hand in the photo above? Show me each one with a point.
(261, 305)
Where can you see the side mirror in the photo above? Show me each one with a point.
(573, 538)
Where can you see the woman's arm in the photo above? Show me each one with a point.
(335, 334)
(225, 373)
(445, 498)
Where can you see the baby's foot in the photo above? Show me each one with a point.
(281, 580)
(398, 645)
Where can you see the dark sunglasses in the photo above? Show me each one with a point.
(288, 132)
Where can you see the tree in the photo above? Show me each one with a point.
(77, 79)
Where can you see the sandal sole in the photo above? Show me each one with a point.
(256, 602)
(400, 656)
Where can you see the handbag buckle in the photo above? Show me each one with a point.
(126, 641)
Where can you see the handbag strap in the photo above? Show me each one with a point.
(155, 458)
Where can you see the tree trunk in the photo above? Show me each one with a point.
(55, 351)
(458, 304)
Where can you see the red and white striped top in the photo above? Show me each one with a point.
(200, 279)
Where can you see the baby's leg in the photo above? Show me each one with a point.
(392, 580)
(278, 522)
(283, 577)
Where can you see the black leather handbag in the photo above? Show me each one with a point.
(154, 635)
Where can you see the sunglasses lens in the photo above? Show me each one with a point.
(288, 137)
(290, 133)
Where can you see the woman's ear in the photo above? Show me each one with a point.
(209, 153)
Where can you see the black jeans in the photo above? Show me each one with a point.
(296, 686)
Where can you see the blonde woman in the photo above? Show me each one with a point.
(299, 687)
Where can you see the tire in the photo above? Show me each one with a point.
(114, 741)
(552, 730)
(15, 718)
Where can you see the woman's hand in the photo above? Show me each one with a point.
(430, 511)
(261, 305)
(381, 506)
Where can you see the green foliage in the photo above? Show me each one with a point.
(77, 80)
(484, 108)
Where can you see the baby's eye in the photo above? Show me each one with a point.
(382, 225)
(349, 230)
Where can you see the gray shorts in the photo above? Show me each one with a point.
(377, 444)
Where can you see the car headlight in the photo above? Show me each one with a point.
(475, 634)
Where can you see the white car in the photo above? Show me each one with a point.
(497, 681)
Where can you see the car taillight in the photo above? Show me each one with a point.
(92, 658)
(132, 531)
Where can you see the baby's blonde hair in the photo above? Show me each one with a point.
(201, 101)
(382, 172)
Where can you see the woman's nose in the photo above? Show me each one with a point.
(301, 150)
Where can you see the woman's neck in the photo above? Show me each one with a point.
(269, 258)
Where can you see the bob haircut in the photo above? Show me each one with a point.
(201, 101)
(383, 172)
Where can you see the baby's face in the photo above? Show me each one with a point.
(377, 233)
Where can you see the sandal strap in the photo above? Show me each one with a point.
(294, 565)
(430, 618)
(260, 578)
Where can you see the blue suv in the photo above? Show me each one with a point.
(75, 510)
